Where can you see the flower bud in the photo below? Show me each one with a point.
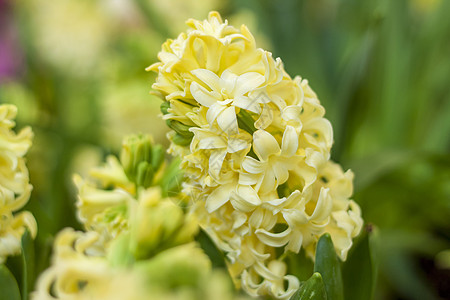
(158, 224)
(140, 159)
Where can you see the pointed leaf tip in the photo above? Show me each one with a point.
(329, 266)
(312, 289)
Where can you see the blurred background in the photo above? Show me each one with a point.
(75, 69)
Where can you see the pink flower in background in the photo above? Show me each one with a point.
(10, 54)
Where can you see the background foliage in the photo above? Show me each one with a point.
(381, 68)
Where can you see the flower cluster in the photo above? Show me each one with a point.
(255, 147)
(108, 196)
(179, 273)
(138, 243)
(15, 188)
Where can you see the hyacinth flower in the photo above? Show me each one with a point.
(108, 196)
(15, 187)
(255, 149)
(182, 272)
(139, 243)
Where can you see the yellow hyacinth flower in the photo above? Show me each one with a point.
(15, 188)
(138, 243)
(117, 193)
(103, 210)
(78, 273)
(255, 148)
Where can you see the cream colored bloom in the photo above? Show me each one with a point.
(138, 243)
(77, 273)
(219, 146)
(114, 191)
(255, 147)
(102, 210)
(152, 255)
(158, 223)
(225, 95)
(15, 188)
(273, 163)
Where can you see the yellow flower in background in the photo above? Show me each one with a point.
(120, 118)
(61, 27)
(15, 188)
(255, 148)
(78, 273)
(118, 189)
(105, 210)
(181, 10)
(138, 243)
(159, 223)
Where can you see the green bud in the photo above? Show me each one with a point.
(159, 224)
(164, 107)
(141, 159)
(144, 174)
(181, 140)
(172, 178)
(180, 128)
(181, 266)
(135, 149)
(157, 156)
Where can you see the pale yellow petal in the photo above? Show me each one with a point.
(204, 97)
(289, 144)
(216, 162)
(208, 77)
(323, 206)
(227, 121)
(264, 144)
(245, 199)
(248, 82)
(219, 197)
(214, 111)
(274, 239)
(247, 103)
(252, 165)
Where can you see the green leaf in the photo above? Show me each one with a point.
(361, 268)
(22, 265)
(312, 289)
(300, 265)
(407, 279)
(329, 266)
(372, 167)
(27, 264)
(214, 254)
(8, 284)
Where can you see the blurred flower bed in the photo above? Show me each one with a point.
(75, 70)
